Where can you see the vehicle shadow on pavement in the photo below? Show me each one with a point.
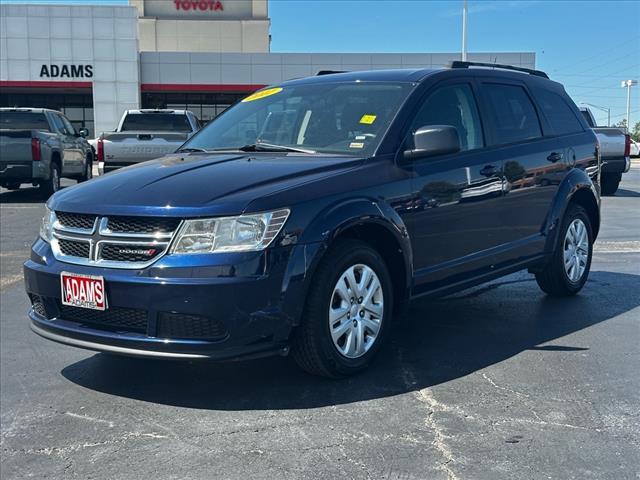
(436, 341)
(621, 192)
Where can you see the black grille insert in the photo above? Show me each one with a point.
(113, 319)
(146, 225)
(189, 327)
(76, 220)
(74, 248)
(130, 253)
(37, 302)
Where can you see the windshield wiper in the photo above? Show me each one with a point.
(191, 149)
(268, 147)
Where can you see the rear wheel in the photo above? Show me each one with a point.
(88, 170)
(568, 269)
(347, 313)
(52, 185)
(609, 183)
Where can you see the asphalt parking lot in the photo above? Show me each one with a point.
(497, 382)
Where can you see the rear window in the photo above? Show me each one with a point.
(24, 121)
(587, 117)
(559, 115)
(511, 114)
(156, 122)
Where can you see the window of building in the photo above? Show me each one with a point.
(205, 106)
(453, 105)
(77, 107)
(559, 115)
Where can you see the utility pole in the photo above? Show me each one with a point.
(464, 31)
(628, 84)
(604, 109)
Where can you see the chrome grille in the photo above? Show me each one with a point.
(142, 225)
(76, 220)
(74, 248)
(115, 242)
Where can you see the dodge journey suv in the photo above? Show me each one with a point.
(306, 216)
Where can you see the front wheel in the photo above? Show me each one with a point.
(568, 269)
(347, 312)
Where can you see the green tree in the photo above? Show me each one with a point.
(621, 124)
(635, 132)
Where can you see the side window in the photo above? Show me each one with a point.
(453, 105)
(59, 124)
(68, 127)
(559, 115)
(511, 113)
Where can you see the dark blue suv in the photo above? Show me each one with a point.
(306, 216)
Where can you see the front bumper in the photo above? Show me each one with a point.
(236, 296)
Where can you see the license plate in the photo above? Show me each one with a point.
(84, 291)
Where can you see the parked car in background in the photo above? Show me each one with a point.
(144, 135)
(635, 149)
(310, 232)
(39, 146)
(615, 150)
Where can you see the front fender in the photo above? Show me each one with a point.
(577, 182)
(325, 228)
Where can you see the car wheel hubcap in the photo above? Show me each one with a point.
(356, 311)
(576, 250)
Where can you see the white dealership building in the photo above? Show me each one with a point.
(93, 62)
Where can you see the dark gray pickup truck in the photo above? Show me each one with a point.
(40, 146)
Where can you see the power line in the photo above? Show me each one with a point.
(618, 45)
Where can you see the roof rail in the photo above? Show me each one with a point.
(329, 72)
(530, 71)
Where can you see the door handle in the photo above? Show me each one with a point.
(555, 157)
(489, 170)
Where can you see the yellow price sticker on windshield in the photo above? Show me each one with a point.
(262, 94)
(368, 119)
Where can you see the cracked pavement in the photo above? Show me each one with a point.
(497, 382)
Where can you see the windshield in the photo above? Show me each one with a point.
(24, 121)
(155, 122)
(341, 118)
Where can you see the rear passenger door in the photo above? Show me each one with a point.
(532, 166)
(453, 220)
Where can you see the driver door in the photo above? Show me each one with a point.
(454, 224)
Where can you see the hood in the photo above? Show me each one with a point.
(198, 184)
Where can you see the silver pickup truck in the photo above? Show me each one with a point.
(38, 146)
(615, 146)
(144, 135)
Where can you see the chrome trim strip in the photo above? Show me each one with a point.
(110, 348)
(100, 235)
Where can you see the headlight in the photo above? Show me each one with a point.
(46, 226)
(245, 233)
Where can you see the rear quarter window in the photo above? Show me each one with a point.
(561, 117)
(511, 114)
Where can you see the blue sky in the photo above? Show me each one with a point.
(589, 46)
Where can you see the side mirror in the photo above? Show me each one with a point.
(83, 132)
(433, 140)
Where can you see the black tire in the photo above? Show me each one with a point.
(88, 170)
(553, 278)
(609, 183)
(52, 185)
(13, 186)
(312, 346)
